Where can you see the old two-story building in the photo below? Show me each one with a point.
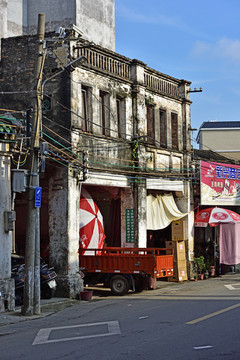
(114, 127)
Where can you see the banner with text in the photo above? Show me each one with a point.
(220, 184)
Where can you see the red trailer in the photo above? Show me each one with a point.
(123, 269)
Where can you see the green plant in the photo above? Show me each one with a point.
(200, 264)
(135, 153)
(149, 100)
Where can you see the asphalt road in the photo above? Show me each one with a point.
(194, 320)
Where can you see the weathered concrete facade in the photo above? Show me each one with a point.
(7, 291)
(111, 108)
(63, 202)
(19, 17)
(3, 17)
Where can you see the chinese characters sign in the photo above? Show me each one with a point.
(130, 229)
(220, 184)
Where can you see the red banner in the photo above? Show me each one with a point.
(220, 184)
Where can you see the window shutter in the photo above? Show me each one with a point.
(174, 123)
(150, 124)
(163, 128)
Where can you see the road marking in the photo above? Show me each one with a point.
(143, 317)
(203, 347)
(213, 314)
(181, 297)
(44, 334)
(233, 286)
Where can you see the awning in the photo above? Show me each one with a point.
(161, 211)
(6, 129)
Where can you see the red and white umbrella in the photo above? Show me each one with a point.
(91, 224)
(214, 216)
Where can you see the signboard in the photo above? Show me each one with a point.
(220, 184)
(38, 195)
(130, 228)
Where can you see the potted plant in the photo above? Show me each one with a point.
(200, 264)
(206, 274)
(207, 270)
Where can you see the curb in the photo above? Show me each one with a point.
(48, 307)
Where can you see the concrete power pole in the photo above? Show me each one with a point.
(31, 303)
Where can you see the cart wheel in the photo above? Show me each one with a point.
(46, 291)
(119, 285)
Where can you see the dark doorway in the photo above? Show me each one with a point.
(108, 200)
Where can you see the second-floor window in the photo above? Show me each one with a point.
(86, 109)
(104, 103)
(121, 117)
(163, 128)
(174, 125)
(150, 124)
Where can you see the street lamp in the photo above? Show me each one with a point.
(195, 90)
(69, 67)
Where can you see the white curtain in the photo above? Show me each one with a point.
(161, 211)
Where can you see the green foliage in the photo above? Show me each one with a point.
(149, 100)
(135, 152)
(200, 264)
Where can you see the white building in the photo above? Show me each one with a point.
(19, 17)
(221, 137)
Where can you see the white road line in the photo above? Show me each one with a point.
(233, 286)
(182, 297)
(43, 334)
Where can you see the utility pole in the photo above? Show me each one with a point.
(31, 303)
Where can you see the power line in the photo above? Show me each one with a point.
(154, 140)
(132, 162)
(15, 111)
(86, 134)
(135, 170)
(67, 155)
(68, 162)
(89, 121)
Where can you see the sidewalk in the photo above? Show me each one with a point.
(48, 307)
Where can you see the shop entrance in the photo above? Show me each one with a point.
(157, 238)
(108, 201)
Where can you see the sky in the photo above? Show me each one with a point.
(198, 41)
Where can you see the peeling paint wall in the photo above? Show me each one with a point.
(92, 15)
(5, 205)
(141, 206)
(64, 232)
(6, 283)
(19, 17)
(3, 18)
(58, 213)
(16, 17)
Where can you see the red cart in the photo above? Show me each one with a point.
(123, 269)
